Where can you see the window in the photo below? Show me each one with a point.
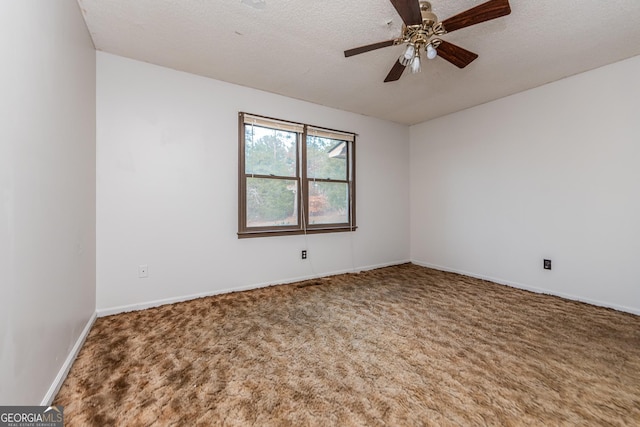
(294, 178)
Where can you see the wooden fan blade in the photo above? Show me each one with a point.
(485, 12)
(395, 73)
(455, 54)
(409, 11)
(367, 48)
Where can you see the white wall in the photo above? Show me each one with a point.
(167, 189)
(47, 192)
(553, 172)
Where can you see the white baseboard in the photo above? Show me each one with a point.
(66, 366)
(156, 303)
(531, 288)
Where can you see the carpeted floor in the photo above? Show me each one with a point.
(398, 346)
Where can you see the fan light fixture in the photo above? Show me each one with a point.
(415, 65)
(421, 38)
(409, 53)
(431, 52)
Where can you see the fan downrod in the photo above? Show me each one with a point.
(428, 18)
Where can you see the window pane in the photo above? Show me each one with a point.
(270, 151)
(326, 158)
(272, 202)
(328, 203)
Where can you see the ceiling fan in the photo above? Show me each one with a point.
(421, 32)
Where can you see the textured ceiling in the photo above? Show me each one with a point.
(295, 48)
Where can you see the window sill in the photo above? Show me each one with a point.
(271, 233)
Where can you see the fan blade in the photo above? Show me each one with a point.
(367, 48)
(409, 11)
(455, 54)
(395, 73)
(485, 12)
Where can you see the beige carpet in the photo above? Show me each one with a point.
(398, 346)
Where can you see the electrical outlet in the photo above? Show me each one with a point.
(304, 254)
(547, 264)
(143, 271)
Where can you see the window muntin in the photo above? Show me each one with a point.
(289, 187)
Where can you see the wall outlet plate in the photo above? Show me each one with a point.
(304, 254)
